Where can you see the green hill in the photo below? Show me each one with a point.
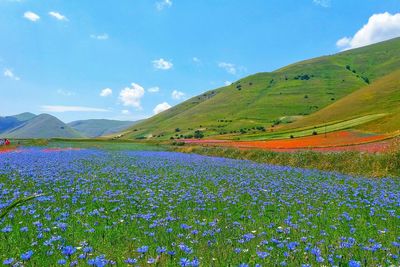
(286, 95)
(96, 128)
(381, 97)
(41, 126)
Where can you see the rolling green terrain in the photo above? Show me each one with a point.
(319, 128)
(287, 95)
(96, 128)
(383, 96)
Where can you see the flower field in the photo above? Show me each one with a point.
(144, 208)
(333, 141)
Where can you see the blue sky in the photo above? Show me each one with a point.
(129, 59)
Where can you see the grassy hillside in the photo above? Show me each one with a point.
(96, 128)
(265, 99)
(42, 126)
(382, 96)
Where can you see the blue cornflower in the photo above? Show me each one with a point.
(62, 262)
(99, 261)
(130, 261)
(8, 261)
(27, 255)
(87, 249)
(195, 262)
(68, 250)
(262, 254)
(161, 250)
(7, 229)
(143, 249)
(292, 245)
(151, 260)
(185, 262)
(185, 249)
(237, 250)
(171, 252)
(353, 263)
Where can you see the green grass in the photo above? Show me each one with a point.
(265, 98)
(103, 144)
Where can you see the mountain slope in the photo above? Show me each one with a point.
(381, 97)
(41, 126)
(96, 128)
(9, 122)
(263, 99)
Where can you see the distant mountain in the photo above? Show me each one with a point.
(288, 97)
(27, 125)
(10, 122)
(24, 116)
(101, 127)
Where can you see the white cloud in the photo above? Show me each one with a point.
(125, 112)
(161, 107)
(228, 67)
(162, 64)
(65, 92)
(323, 3)
(227, 83)
(106, 92)
(10, 74)
(101, 37)
(58, 15)
(154, 89)
(60, 109)
(31, 16)
(380, 27)
(132, 96)
(160, 5)
(177, 95)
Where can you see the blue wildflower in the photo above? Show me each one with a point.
(68, 251)
(61, 262)
(8, 261)
(27, 255)
(143, 249)
(353, 263)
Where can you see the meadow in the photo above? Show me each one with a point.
(143, 208)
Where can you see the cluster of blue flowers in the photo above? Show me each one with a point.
(142, 208)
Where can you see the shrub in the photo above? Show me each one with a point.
(198, 134)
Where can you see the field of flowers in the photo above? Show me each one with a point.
(145, 208)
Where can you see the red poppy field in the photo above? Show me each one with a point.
(334, 141)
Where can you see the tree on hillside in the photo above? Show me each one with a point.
(198, 134)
